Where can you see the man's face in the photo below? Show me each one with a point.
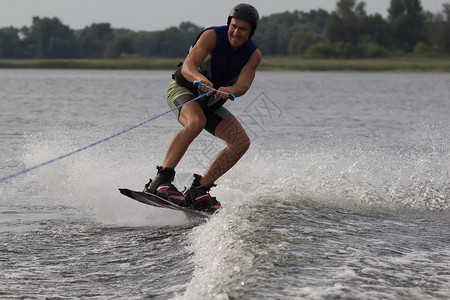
(238, 32)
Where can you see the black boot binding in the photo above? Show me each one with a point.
(198, 196)
(162, 186)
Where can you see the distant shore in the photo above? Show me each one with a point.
(396, 64)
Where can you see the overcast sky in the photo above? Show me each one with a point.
(152, 15)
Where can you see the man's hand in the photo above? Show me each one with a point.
(225, 92)
(202, 88)
(221, 93)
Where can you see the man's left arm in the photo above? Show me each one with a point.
(245, 77)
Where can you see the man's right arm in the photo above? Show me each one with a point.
(204, 46)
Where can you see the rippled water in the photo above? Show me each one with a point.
(344, 192)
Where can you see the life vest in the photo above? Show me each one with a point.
(222, 67)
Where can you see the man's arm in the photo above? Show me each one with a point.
(204, 46)
(245, 77)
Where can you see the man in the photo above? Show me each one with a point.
(225, 58)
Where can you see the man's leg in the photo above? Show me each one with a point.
(232, 132)
(193, 120)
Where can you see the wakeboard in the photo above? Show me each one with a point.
(156, 201)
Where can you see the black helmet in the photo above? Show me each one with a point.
(245, 12)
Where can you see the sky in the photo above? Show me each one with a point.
(149, 15)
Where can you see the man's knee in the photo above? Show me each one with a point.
(196, 123)
(232, 132)
(241, 144)
(193, 119)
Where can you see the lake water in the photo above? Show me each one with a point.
(344, 193)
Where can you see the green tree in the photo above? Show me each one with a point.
(121, 44)
(92, 40)
(345, 24)
(300, 42)
(280, 34)
(438, 29)
(407, 21)
(172, 42)
(175, 41)
(321, 50)
(446, 7)
(373, 50)
(274, 33)
(52, 39)
(445, 41)
(376, 30)
(10, 45)
(146, 44)
(314, 20)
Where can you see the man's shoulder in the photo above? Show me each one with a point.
(207, 39)
(220, 29)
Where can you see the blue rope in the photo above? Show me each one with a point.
(13, 175)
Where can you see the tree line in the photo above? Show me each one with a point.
(346, 32)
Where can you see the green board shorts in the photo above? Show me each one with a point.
(177, 95)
